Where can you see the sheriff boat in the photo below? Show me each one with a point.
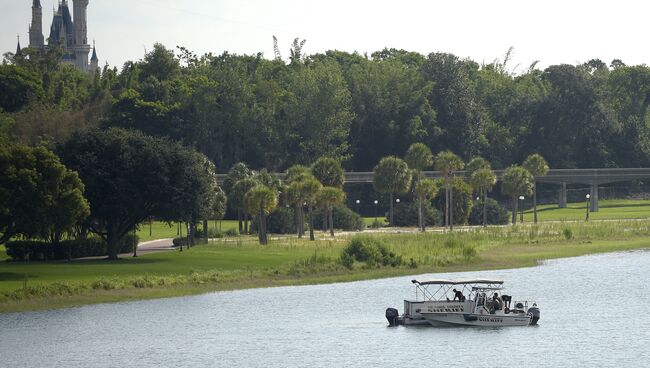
(476, 302)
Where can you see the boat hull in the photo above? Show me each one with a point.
(482, 320)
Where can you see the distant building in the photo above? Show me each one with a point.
(71, 35)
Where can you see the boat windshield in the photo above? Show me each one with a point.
(443, 290)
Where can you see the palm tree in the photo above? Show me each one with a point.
(327, 198)
(418, 158)
(263, 200)
(476, 164)
(309, 189)
(425, 189)
(482, 180)
(330, 173)
(536, 166)
(447, 162)
(295, 174)
(516, 181)
(391, 175)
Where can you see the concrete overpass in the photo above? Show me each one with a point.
(561, 177)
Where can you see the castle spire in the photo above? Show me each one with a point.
(36, 4)
(18, 48)
(94, 57)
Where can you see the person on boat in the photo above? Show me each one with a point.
(497, 302)
(459, 295)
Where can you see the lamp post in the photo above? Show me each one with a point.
(587, 212)
(376, 203)
(397, 200)
(521, 209)
(358, 202)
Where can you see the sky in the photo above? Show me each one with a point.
(551, 31)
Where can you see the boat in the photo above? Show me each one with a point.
(474, 302)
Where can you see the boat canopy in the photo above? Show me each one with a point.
(458, 282)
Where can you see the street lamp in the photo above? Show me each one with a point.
(397, 200)
(521, 209)
(358, 202)
(376, 203)
(587, 213)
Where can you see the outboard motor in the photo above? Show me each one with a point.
(391, 316)
(533, 312)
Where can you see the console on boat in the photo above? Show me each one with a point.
(473, 302)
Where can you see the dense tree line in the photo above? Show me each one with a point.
(357, 108)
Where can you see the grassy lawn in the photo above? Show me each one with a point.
(241, 262)
(610, 209)
(163, 230)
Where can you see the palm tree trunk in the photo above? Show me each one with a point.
(451, 208)
(205, 230)
(535, 201)
(446, 204)
(311, 223)
(422, 215)
(485, 208)
(260, 230)
(514, 210)
(331, 221)
(296, 215)
(241, 225)
(390, 217)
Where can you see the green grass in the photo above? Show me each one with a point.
(370, 220)
(241, 262)
(610, 209)
(3, 253)
(163, 230)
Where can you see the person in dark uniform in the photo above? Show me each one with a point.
(459, 295)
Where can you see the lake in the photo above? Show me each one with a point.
(592, 314)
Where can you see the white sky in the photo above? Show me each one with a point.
(551, 31)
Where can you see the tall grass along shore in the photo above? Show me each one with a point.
(235, 263)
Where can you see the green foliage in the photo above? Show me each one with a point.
(463, 201)
(344, 219)
(261, 199)
(280, 221)
(406, 214)
(447, 161)
(372, 251)
(391, 175)
(130, 178)
(482, 180)
(517, 181)
(475, 164)
(567, 233)
(536, 165)
(18, 87)
(39, 196)
(329, 172)
(419, 157)
(79, 248)
(496, 215)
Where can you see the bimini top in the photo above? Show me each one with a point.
(458, 282)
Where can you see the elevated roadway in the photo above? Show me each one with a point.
(561, 177)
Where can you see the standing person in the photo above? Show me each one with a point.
(458, 295)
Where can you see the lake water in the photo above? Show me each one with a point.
(594, 314)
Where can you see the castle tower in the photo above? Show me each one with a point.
(81, 46)
(94, 61)
(18, 48)
(36, 39)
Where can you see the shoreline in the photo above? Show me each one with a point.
(502, 256)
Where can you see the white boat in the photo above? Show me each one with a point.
(474, 302)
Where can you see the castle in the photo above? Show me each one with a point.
(71, 35)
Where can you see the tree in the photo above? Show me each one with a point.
(309, 189)
(262, 200)
(238, 172)
(447, 162)
(391, 175)
(237, 199)
(425, 189)
(418, 158)
(131, 177)
(329, 172)
(516, 181)
(476, 164)
(39, 196)
(294, 195)
(482, 180)
(328, 198)
(536, 166)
